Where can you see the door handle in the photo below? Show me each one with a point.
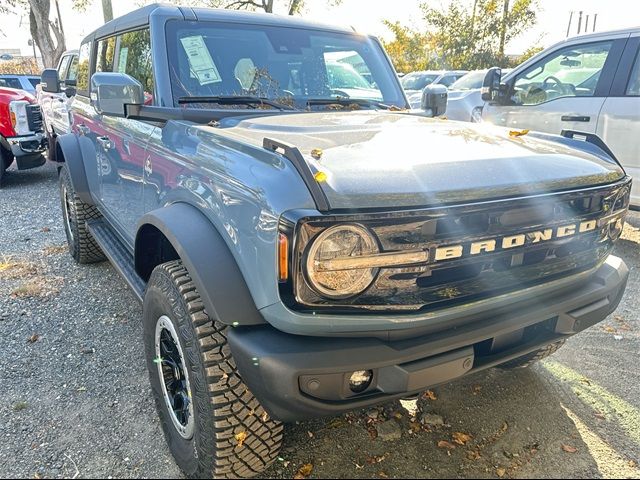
(83, 129)
(105, 143)
(125, 146)
(575, 118)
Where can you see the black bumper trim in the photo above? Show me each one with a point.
(272, 363)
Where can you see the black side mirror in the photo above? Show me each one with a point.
(491, 84)
(434, 100)
(70, 91)
(50, 81)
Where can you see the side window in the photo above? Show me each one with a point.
(105, 54)
(570, 72)
(633, 87)
(72, 73)
(82, 81)
(447, 80)
(134, 58)
(64, 64)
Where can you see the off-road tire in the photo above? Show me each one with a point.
(76, 213)
(529, 359)
(233, 436)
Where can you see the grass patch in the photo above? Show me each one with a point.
(10, 270)
(19, 406)
(39, 286)
(55, 250)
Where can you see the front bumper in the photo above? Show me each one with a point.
(297, 377)
(32, 144)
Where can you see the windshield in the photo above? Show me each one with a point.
(470, 81)
(417, 81)
(290, 66)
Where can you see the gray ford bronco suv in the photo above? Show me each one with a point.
(304, 245)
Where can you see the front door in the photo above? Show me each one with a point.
(619, 122)
(564, 90)
(121, 142)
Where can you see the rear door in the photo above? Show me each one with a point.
(564, 90)
(619, 121)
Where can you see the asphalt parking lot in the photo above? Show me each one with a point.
(75, 400)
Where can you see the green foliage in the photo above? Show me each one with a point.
(409, 50)
(470, 38)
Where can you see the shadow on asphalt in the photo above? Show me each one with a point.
(518, 420)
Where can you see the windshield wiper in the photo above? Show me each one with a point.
(235, 100)
(346, 101)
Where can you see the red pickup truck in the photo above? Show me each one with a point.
(21, 133)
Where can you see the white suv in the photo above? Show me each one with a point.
(589, 83)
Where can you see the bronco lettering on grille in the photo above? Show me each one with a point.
(513, 241)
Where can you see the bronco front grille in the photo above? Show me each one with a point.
(34, 117)
(464, 277)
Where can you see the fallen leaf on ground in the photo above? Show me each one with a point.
(445, 444)
(473, 455)
(45, 229)
(609, 329)
(599, 415)
(461, 438)
(383, 475)
(240, 438)
(33, 338)
(501, 472)
(429, 395)
(476, 389)
(633, 464)
(304, 471)
(376, 459)
(569, 448)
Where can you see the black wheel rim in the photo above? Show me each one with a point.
(174, 377)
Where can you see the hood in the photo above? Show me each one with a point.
(16, 94)
(378, 159)
(455, 94)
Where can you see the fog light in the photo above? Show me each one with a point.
(359, 381)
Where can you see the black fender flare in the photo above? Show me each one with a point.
(208, 260)
(73, 149)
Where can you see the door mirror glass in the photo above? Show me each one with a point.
(111, 92)
(434, 100)
(50, 81)
(491, 84)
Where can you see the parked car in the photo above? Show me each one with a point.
(414, 82)
(55, 106)
(464, 97)
(21, 137)
(27, 83)
(300, 254)
(589, 83)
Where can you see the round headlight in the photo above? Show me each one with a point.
(339, 279)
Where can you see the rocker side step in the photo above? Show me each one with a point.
(118, 255)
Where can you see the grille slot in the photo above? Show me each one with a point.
(34, 118)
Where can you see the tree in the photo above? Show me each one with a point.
(269, 6)
(409, 50)
(476, 39)
(48, 35)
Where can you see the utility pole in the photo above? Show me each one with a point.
(595, 17)
(570, 19)
(579, 22)
(586, 24)
(59, 18)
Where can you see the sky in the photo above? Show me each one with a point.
(364, 15)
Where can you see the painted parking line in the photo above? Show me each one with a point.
(600, 399)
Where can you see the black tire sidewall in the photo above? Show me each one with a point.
(165, 299)
(65, 184)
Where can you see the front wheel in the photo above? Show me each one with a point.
(6, 159)
(213, 424)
